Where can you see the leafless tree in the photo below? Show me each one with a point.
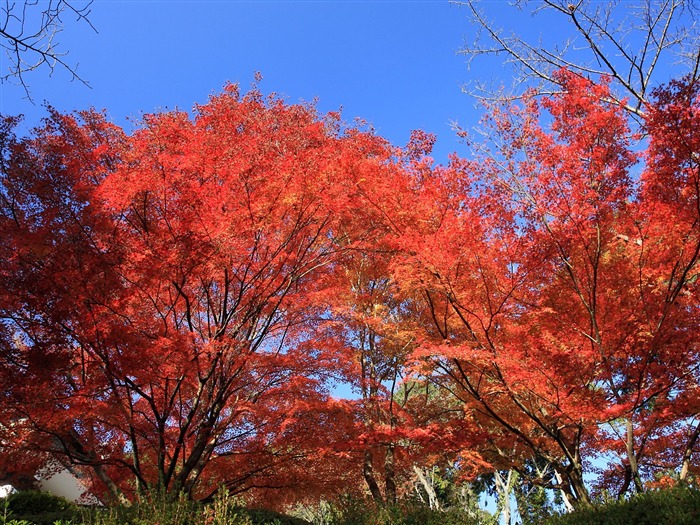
(638, 44)
(28, 36)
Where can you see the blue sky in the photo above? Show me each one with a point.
(392, 63)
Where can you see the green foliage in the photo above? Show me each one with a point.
(6, 516)
(678, 506)
(36, 502)
(33, 507)
(353, 511)
(161, 510)
(533, 504)
(164, 510)
(269, 517)
(7, 521)
(324, 513)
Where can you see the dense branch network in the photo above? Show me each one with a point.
(632, 43)
(28, 36)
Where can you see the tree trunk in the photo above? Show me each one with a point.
(389, 476)
(114, 491)
(687, 454)
(504, 486)
(632, 457)
(428, 487)
(368, 473)
(566, 495)
(580, 492)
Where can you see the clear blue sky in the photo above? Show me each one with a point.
(392, 63)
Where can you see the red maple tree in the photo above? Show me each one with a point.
(560, 288)
(157, 300)
(175, 302)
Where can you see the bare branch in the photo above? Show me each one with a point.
(638, 45)
(29, 37)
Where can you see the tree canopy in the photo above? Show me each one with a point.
(177, 302)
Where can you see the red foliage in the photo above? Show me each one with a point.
(174, 302)
(561, 291)
(157, 299)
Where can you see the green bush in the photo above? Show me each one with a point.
(269, 517)
(164, 510)
(363, 512)
(678, 506)
(148, 512)
(38, 508)
(36, 502)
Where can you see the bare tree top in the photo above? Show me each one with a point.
(29, 32)
(634, 43)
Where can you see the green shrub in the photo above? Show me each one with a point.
(164, 510)
(36, 502)
(37, 508)
(269, 517)
(408, 512)
(678, 506)
(151, 511)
